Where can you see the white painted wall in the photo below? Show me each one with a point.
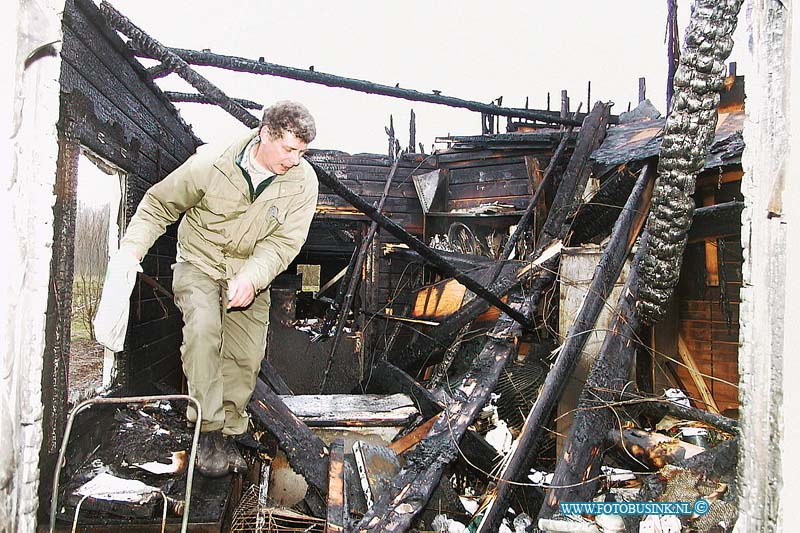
(769, 333)
(28, 152)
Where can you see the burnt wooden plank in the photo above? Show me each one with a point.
(488, 190)
(454, 158)
(518, 203)
(75, 52)
(272, 378)
(488, 174)
(719, 220)
(93, 133)
(393, 205)
(386, 378)
(106, 112)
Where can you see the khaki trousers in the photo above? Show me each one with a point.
(221, 350)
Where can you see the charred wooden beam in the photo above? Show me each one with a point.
(607, 272)
(457, 259)
(568, 195)
(307, 454)
(413, 486)
(720, 220)
(355, 275)
(195, 98)
(661, 406)
(386, 378)
(673, 47)
(527, 216)
(269, 374)
(241, 64)
(418, 246)
(338, 514)
(152, 48)
(570, 191)
(580, 460)
(158, 71)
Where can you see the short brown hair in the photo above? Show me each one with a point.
(287, 116)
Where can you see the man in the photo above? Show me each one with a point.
(248, 207)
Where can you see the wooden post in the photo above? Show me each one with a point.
(338, 514)
(673, 47)
(355, 276)
(642, 90)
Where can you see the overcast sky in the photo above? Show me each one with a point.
(468, 49)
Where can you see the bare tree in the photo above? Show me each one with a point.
(91, 260)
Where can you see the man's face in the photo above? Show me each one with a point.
(281, 154)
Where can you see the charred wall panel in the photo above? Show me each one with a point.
(116, 111)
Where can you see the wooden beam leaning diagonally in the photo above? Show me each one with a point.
(355, 276)
(412, 487)
(386, 378)
(623, 236)
(152, 47)
(415, 244)
(307, 454)
(697, 376)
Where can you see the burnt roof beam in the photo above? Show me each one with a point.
(251, 66)
(196, 98)
(156, 50)
(430, 255)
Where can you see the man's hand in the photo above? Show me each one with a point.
(240, 293)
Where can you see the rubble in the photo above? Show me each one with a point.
(454, 403)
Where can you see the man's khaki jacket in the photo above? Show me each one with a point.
(223, 233)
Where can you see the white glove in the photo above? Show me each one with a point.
(111, 320)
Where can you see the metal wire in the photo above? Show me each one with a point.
(130, 399)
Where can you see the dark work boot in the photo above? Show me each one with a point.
(212, 458)
(236, 463)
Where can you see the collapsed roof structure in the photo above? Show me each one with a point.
(452, 284)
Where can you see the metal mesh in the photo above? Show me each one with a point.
(251, 516)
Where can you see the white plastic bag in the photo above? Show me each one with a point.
(111, 320)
